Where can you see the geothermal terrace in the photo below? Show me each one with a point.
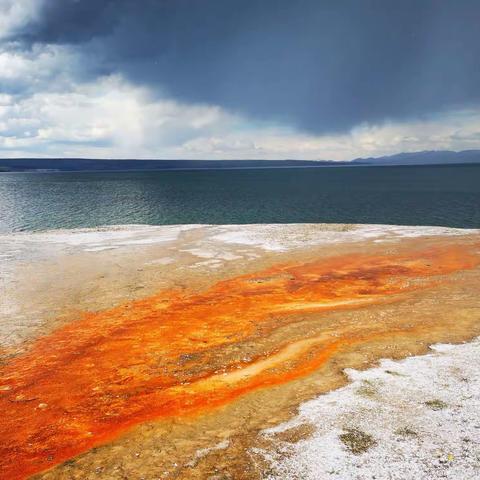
(252, 351)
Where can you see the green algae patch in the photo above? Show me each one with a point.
(436, 404)
(406, 432)
(356, 441)
(367, 389)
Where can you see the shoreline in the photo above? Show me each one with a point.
(204, 256)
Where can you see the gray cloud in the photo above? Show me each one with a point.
(322, 66)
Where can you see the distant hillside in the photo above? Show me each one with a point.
(84, 164)
(424, 158)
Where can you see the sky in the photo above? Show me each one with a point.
(238, 79)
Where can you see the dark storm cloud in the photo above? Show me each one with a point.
(320, 65)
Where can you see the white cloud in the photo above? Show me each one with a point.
(111, 118)
(106, 118)
(39, 69)
(458, 130)
(14, 14)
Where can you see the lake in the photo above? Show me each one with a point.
(410, 195)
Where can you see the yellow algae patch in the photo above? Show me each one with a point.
(314, 306)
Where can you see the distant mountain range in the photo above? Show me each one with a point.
(430, 157)
(84, 164)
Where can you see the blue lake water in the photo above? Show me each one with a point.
(419, 195)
